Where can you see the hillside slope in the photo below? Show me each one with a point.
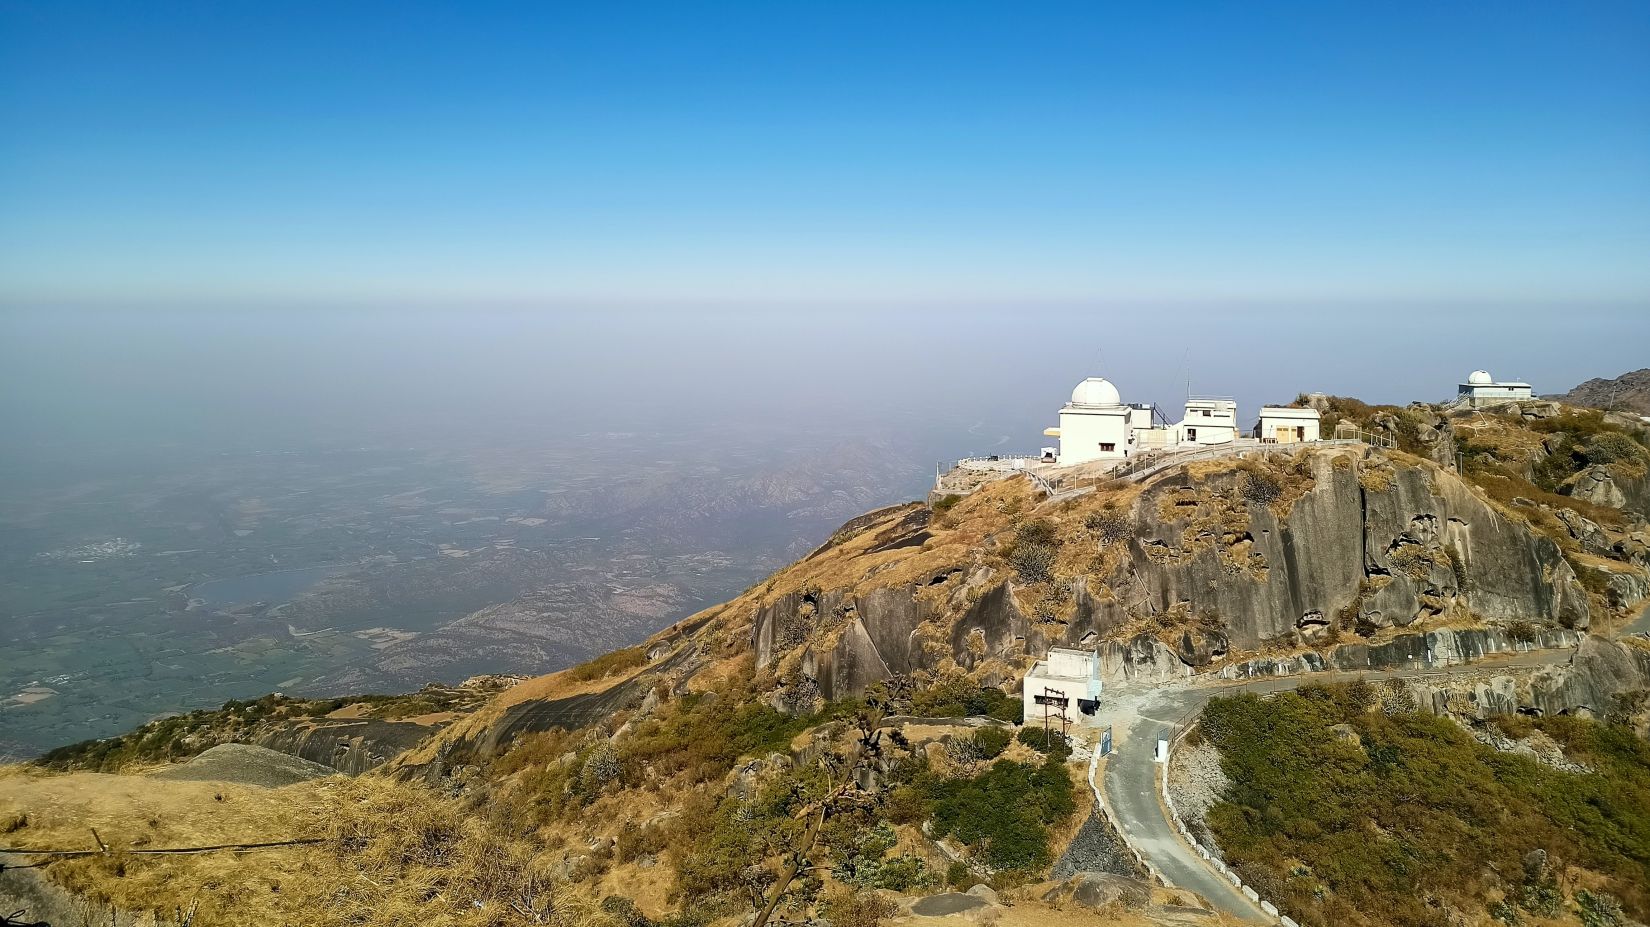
(843, 731)
(1629, 392)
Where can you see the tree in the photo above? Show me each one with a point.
(841, 795)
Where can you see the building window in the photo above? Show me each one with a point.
(1191, 434)
(1207, 413)
(1107, 447)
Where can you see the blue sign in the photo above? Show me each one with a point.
(1105, 742)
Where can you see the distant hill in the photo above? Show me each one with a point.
(1628, 392)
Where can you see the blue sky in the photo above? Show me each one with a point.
(841, 153)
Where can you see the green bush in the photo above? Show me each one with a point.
(1598, 910)
(1050, 742)
(1414, 807)
(992, 741)
(946, 503)
(1034, 550)
(956, 696)
(1003, 813)
(1033, 563)
(1614, 447)
(1035, 531)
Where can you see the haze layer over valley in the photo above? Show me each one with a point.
(198, 506)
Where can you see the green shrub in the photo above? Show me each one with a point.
(1598, 910)
(1614, 447)
(992, 741)
(1003, 813)
(1050, 742)
(946, 503)
(1415, 807)
(956, 696)
(1109, 526)
(1033, 563)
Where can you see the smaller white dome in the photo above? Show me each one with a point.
(1096, 391)
(1480, 378)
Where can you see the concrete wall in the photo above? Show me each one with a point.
(1274, 417)
(1083, 431)
(1217, 427)
(1073, 663)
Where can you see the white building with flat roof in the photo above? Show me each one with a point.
(1288, 424)
(1208, 421)
(1482, 390)
(1062, 689)
(1098, 425)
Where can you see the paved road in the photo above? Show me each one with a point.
(1130, 782)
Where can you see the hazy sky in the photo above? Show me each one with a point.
(1340, 155)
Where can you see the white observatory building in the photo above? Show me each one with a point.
(1096, 424)
(1482, 390)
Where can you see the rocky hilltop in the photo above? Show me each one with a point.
(1280, 556)
(1629, 392)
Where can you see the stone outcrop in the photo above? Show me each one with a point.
(1432, 649)
(1589, 683)
(1404, 548)
(1601, 670)
(349, 746)
(1143, 659)
(1601, 485)
(1366, 542)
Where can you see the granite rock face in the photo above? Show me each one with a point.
(1601, 670)
(1425, 650)
(1600, 486)
(349, 746)
(1588, 684)
(1366, 542)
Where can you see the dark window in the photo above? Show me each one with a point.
(1191, 434)
(1107, 446)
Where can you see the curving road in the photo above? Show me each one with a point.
(1130, 782)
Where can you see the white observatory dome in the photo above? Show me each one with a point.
(1480, 378)
(1095, 391)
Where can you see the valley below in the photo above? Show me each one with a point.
(131, 592)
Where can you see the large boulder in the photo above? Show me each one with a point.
(1142, 658)
(1606, 486)
(1099, 891)
(1601, 670)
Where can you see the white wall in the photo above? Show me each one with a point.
(1290, 420)
(1074, 674)
(1078, 663)
(1217, 427)
(1496, 392)
(1083, 431)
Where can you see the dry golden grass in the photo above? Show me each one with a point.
(393, 854)
(1506, 439)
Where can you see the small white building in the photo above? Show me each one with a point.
(1288, 424)
(1095, 424)
(1482, 390)
(1064, 688)
(1208, 421)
